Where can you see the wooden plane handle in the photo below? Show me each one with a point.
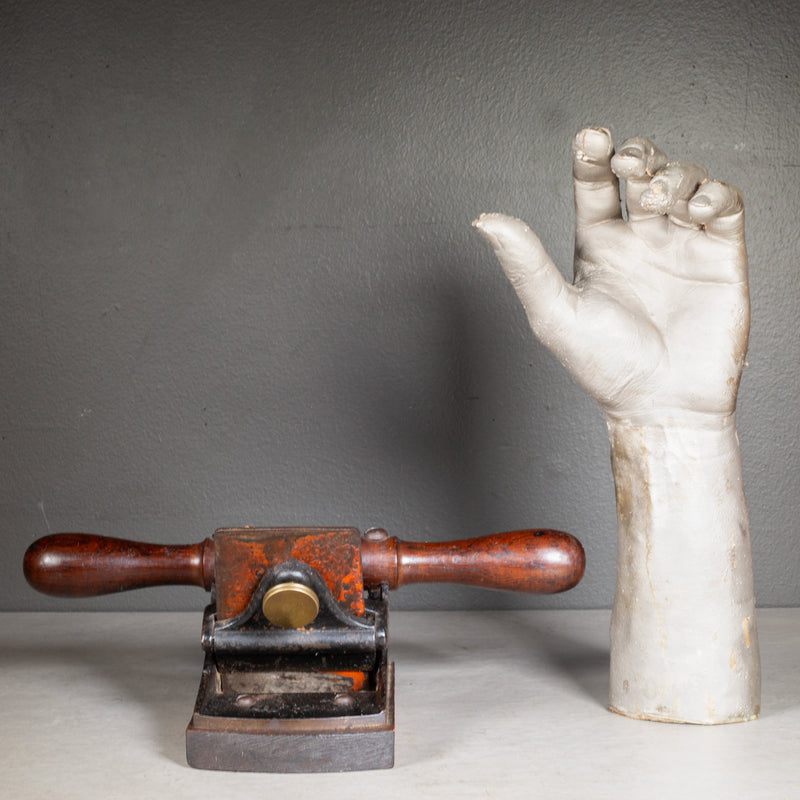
(534, 561)
(85, 565)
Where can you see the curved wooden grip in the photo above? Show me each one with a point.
(535, 561)
(85, 565)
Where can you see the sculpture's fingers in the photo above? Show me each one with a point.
(636, 162)
(670, 189)
(718, 206)
(596, 186)
(549, 301)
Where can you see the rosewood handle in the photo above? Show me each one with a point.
(85, 565)
(535, 561)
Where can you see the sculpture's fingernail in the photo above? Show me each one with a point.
(700, 201)
(702, 208)
(593, 144)
(638, 158)
(630, 162)
(631, 151)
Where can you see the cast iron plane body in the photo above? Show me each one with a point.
(296, 676)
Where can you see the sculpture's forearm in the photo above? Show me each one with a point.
(683, 634)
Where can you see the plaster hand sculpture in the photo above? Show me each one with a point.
(654, 326)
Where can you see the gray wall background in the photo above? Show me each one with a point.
(239, 283)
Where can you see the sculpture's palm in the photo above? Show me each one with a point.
(655, 323)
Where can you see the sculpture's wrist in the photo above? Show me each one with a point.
(671, 478)
(717, 416)
(678, 456)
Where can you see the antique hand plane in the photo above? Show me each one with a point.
(296, 675)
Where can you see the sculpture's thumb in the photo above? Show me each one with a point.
(548, 299)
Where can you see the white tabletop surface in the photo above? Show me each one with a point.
(488, 705)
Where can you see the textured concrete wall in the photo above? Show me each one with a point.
(239, 283)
